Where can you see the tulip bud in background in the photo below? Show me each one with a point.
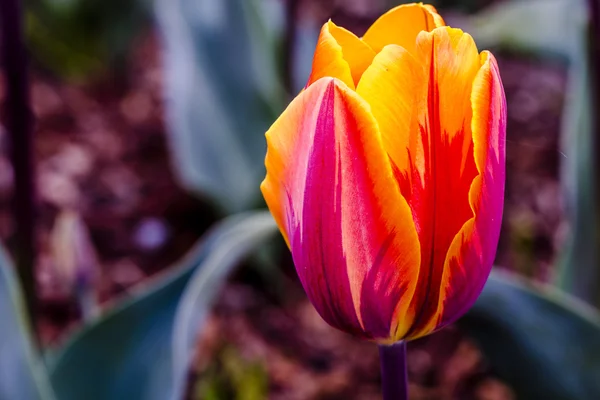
(386, 175)
(75, 260)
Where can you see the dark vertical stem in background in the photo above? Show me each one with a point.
(291, 18)
(18, 119)
(594, 51)
(394, 375)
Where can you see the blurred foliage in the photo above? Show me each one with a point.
(560, 28)
(455, 5)
(531, 25)
(221, 102)
(134, 351)
(82, 39)
(125, 354)
(543, 343)
(522, 239)
(232, 377)
(247, 233)
(22, 374)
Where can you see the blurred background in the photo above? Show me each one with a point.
(157, 274)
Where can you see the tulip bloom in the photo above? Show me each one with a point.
(386, 175)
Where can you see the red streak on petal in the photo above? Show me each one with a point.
(470, 268)
(439, 200)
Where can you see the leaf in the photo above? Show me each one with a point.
(22, 374)
(542, 343)
(126, 354)
(560, 27)
(231, 376)
(552, 26)
(202, 289)
(79, 39)
(307, 35)
(223, 91)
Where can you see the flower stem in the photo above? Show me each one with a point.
(394, 375)
(594, 52)
(19, 124)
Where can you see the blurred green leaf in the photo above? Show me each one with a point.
(223, 91)
(307, 35)
(127, 353)
(454, 5)
(82, 38)
(542, 343)
(22, 374)
(560, 27)
(551, 26)
(232, 377)
(202, 289)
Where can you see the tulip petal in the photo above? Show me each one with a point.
(332, 189)
(357, 53)
(393, 86)
(401, 25)
(441, 204)
(329, 55)
(423, 108)
(472, 253)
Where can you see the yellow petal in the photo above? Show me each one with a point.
(489, 106)
(357, 53)
(329, 61)
(401, 25)
(455, 64)
(393, 87)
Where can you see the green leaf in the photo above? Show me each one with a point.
(127, 353)
(22, 373)
(560, 27)
(223, 92)
(542, 343)
(231, 376)
(204, 286)
(551, 26)
(79, 39)
(307, 35)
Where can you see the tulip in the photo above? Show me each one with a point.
(386, 175)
